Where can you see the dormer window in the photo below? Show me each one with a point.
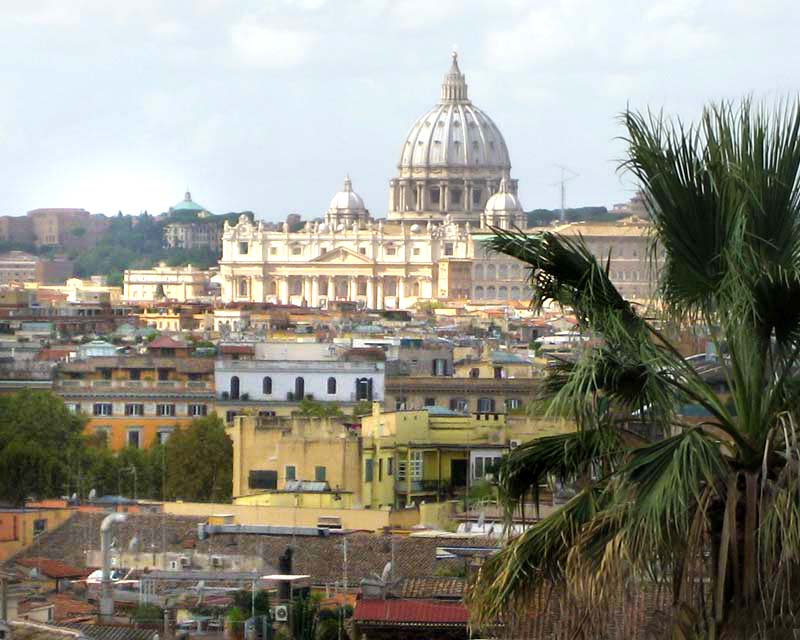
(296, 251)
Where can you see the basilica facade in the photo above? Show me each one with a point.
(453, 181)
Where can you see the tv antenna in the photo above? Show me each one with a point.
(567, 175)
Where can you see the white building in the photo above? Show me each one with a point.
(265, 381)
(179, 284)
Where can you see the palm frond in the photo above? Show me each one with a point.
(537, 556)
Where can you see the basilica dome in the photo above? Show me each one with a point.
(455, 133)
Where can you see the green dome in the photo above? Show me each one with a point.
(187, 204)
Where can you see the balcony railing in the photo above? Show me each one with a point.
(134, 385)
(419, 486)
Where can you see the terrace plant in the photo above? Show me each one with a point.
(709, 509)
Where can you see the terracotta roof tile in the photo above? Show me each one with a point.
(53, 568)
(407, 611)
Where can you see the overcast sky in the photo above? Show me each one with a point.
(265, 105)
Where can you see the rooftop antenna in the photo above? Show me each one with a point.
(567, 175)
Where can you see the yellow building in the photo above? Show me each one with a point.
(20, 528)
(498, 365)
(315, 461)
(434, 453)
(137, 400)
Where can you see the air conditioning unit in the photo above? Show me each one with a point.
(281, 613)
(217, 562)
(513, 444)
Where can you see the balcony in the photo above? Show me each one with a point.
(134, 386)
(419, 486)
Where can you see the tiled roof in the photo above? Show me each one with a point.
(112, 632)
(165, 342)
(405, 611)
(433, 587)
(68, 607)
(53, 568)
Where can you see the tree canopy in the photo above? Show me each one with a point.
(708, 508)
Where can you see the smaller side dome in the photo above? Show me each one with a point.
(504, 200)
(346, 199)
(346, 207)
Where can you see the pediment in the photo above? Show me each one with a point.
(341, 255)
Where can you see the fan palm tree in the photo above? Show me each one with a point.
(711, 509)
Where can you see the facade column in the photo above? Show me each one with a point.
(331, 288)
(401, 291)
(314, 291)
(370, 292)
(442, 191)
(379, 292)
(283, 289)
(467, 195)
(392, 195)
(423, 188)
(353, 288)
(307, 290)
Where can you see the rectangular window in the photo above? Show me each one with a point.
(290, 472)
(434, 195)
(273, 251)
(244, 247)
(103, 409)
(163, 434)
(163, 374)
(362, 251)
(39, 526)
(478, 469)
(319, 474)
(198, 410)
(416, 251)
(73, 407)
(229, 416)
(134, 438)
(476, 197)
(263, 479)
(165, 410)
(135, 374)
(390, 251)
(105, 374)
(513, 403)
(390, 467)
(400, 404)
(368, 471)
(430, 402)
(134, 409)
(380, 469)
(448, 248)
(416, 465)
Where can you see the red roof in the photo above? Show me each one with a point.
(411, 611)
(54, 568)
(238, 348)
(165, 342)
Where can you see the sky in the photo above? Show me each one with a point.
(266, 105)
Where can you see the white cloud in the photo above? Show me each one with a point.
(269, 47)
(670, 43)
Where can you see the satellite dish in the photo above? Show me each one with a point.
(387, 572)
(133, 545)
(74, 497)
(93, 494)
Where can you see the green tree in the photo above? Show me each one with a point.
(304, 618)
(319, 409)
(199, 462)
(40, 441)
(710, 509)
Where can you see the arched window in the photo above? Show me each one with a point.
(514, 271)
(479, 272)
(491, 293)
(490, 272)
(266, 386)
(502, 293)
(235, 388)
(478, 293)
(515, 293)
(502, 272)
(273, 287)
(331, 385)
(299, 388)
(243, 286)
